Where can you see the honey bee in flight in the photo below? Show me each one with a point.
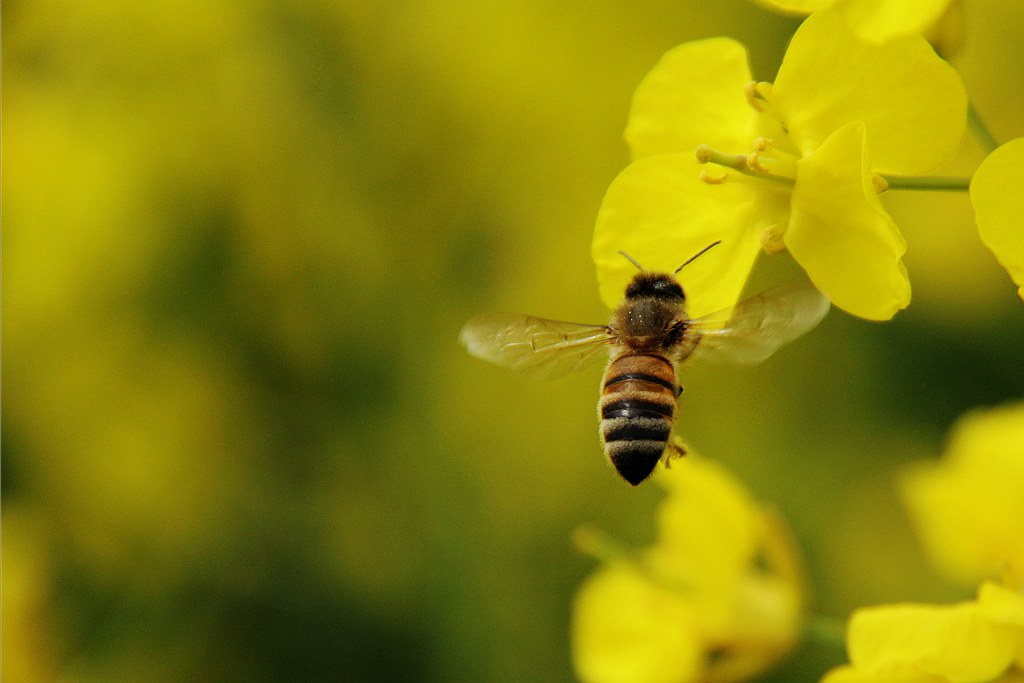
(648, 337)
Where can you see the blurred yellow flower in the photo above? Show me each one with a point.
(999, 205)
(841, 110)
(718, 596)
(31, 640)
(969, 507)
(969, 642)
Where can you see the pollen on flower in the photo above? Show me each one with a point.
(880, 184)
(711, 179)
(706, 155)
(754, 163)
(777, 164)
(771, 239)
(758, 95)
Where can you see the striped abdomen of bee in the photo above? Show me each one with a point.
(637, 407)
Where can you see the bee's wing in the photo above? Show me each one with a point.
(537, 347)
(755, 329)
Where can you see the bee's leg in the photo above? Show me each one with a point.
(674, 449)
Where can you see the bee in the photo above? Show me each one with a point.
(647, 338)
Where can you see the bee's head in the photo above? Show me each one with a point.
(658, 285)
(645, 285)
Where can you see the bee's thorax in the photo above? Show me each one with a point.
(649, 325)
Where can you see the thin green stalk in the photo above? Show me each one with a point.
(927, 184)
(980, 130)
(828, 631)
(599, 545)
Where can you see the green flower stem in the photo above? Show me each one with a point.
(980, 130)
(599, 545)
(828, 631)
(738, 162)
(927, 184)
(607, 550)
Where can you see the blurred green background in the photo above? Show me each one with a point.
(240, 441)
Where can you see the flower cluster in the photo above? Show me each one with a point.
(719, 595)
(798, 165)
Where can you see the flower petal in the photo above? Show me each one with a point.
(626, 628)
(707, 537)
(1002, 605)
(957, 641)
(736, 559)
(708, 509)
(999, 204)
(659, 212)
(881, 20)
(840, 233)
(693, 95)
(874, 19)
(911, 102)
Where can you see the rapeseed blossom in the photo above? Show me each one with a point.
(969, 510)
(793, 165)
(717, 597)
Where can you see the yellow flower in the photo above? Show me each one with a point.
(969, 642)
(807, 150)
(999, 206)
(969, 507)
(716, 598)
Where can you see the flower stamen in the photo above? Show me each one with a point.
(711, 179)
(771, 239)
(778, 167)
(707, 155)
(758, 95)
(754, 162)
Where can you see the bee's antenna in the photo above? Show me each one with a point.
(691, 259)
(639, 267)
